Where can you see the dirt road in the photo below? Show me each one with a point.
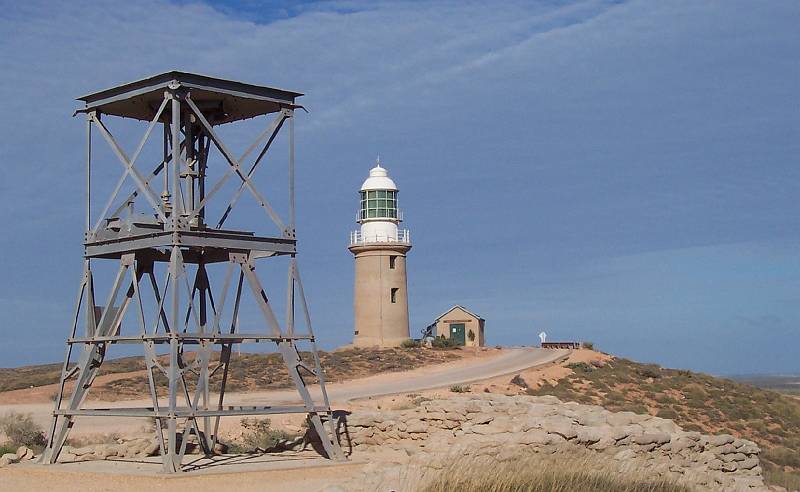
(501, 362)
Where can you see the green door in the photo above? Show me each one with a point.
(457, 333)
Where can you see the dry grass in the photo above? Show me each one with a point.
(248, 372)
(44, 374)
(557, 473)
(19, 429)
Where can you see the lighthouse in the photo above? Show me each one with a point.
(380, 247)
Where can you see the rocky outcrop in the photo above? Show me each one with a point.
(130, 448)
(500, 428)
(23, 453)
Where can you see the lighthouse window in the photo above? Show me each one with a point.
(392, 260)
(394, 295)
(378, 204)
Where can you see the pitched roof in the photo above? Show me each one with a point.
(461, 308)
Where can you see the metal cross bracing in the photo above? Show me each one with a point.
(166, 260)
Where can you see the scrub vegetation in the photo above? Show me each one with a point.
(695, 401)
(248, 372)
(20, 430)
(259, 436)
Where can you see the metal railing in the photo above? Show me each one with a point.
(403, 236)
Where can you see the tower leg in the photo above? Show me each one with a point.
(88, 363)
(293, 363)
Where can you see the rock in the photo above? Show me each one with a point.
(83, 450)
(8, 459)
(589, 435)
(652, 438)
(492, 428)
(720, 440)
(533, 436)
(625, 455)
(724, 449)
(621, 418)
(24, 453)
(567, 431)
(748, 464)
(734, 457)
(481, 418)
(416, 427)
(67, 457)
(680, 443)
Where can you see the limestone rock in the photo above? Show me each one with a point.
(8, 459)
(24, 453)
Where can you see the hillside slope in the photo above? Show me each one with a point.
(694, 401)
(248, 371)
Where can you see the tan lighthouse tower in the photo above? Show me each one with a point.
(381, 297)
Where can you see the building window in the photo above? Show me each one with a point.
(392, 260)
(394, 295)
(378, 204)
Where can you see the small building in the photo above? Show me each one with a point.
(461, 325)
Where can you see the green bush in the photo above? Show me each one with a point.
(443, 343)
(518, 381)
(260, 436)
(411, 343)
(667, 413)
(650, 371)
(21, 430)
(457, 388)
(587, 345)
(580, 367)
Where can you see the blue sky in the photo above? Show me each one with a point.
(621, 172)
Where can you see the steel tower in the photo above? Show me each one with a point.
(168, 258)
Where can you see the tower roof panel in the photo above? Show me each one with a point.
(225, 100)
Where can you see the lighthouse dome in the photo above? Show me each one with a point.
(378, 180)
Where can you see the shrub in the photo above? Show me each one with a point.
(411, 343)
(471, 336)
(650, 371)
(21, 430)
(260, 436)
(443, 343)
(667, 413)
(580, 367)
(517, 380)
(587, 345)
(457, 388)
(782, 456)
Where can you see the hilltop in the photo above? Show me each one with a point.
(695, 401)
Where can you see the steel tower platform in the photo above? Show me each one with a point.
(187, 333)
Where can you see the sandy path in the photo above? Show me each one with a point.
(122, 477)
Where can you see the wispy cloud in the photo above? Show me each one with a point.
(552, 156)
